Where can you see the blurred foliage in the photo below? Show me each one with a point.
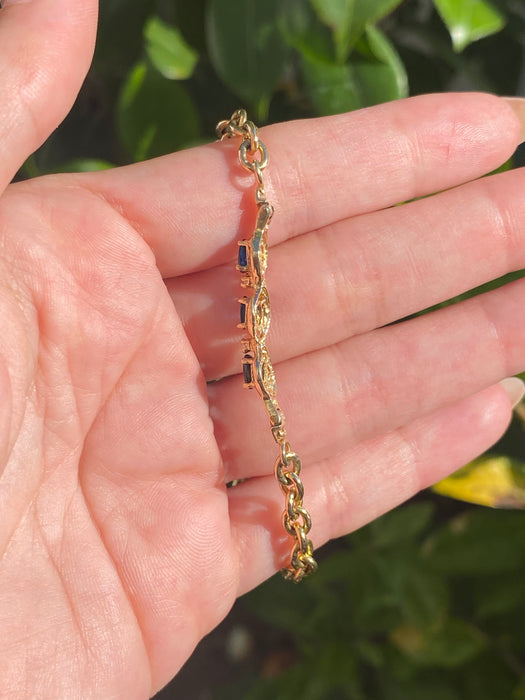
(412, 607)
(165, 71)
(426, 603)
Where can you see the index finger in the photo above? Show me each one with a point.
(192, 206)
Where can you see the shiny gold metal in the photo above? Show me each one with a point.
(257, 366)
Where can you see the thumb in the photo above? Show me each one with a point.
(47, 47)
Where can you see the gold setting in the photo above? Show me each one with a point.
(257, 366)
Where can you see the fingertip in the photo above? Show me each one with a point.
(516, 105)
(514, 387)
(478, 129)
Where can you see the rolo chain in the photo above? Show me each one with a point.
(257, 367)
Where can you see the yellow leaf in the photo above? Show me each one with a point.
(491, 480)
(408, 638)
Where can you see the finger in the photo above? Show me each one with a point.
(46, 50)
(362, 273)
(374, 383)
(347, 491)
(321, 171)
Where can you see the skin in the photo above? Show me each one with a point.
(120, 546)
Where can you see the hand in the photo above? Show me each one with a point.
(120, 545)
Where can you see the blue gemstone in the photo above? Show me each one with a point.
(243, 256)
(243, 312)
(247, 373)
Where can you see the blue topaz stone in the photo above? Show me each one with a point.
(247, 373)
(242, 259)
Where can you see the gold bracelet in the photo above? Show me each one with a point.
(256, 364)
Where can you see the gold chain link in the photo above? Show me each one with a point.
(257, 367)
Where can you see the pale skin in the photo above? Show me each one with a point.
(120, 545)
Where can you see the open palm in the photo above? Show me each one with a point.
(121, 546)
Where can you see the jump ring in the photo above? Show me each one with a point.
(250, 164)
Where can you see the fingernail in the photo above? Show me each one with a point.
(515, 388)
(517, 104)
(6, 3)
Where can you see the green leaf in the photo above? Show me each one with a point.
(469, 20)
(334, 13)
(492, 675)
(370, 12)
(381, 75)
(348, 19)
(373, 590)
(376, 74)
(455, 643)
(327, 668)
(479, 542)
(424, 598)
(498, 596)
(155, 115)
(401, 524)
(85, 165)
(419, 690)
(519, 691)
(367, 13)
(303, 31)
(337, 14)
(246, 47)
(278, 605)
(332, 88)
(169, 52)
(371, 653)
(30, 168)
